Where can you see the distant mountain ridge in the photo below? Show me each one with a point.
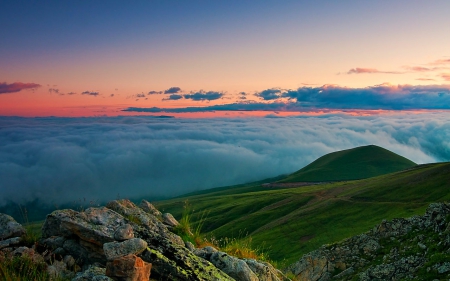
(351, 164)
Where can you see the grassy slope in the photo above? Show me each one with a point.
(292, 221)
(356, 163)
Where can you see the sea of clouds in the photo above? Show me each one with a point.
(65, 159)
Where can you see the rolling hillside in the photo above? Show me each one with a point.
(289, 222)
(351, 164)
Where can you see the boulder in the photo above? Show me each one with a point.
(234, 267)
(149, 208)
(124, 232)
(10, 242)
(139, 219)
(114, 250)
(265, 271)
(169, 220)
(128, 268)
(9, 227)
(93, 273)
(94, 225)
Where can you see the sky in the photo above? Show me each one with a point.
(101, 99)
(98, 58)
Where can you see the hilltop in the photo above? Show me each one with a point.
(351, 164)
(294, 221)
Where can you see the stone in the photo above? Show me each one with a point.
(205, 252)
(169, 220)
(94, 225)
(69, 261)
(10, 242)
(138, 218)
(128, 268)
(149, 208)
(9, 227)
(189, 245)
(124, 232)
(182, 265)
(234, 267)
(264, 271)
(312, 266)
(116, 250)
(93, 273)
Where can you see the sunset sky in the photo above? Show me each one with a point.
(310, 78)
(95, 58)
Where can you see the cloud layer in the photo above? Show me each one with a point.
(385, 97)
(6, 88)
(63, 160)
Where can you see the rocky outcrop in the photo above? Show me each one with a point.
(415, 248)
(112, 236)
(125, 242)
(9, 228)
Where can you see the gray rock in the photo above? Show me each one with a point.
(9, 227)
(205, 252)
(124, 232)
(348, 271)
(69, 261)
(234, 267)
(93, 273)
(173, 262)
(189, 245)
(58, 269)
(139, 219)
(54, 241)
(149, 208)
(94, 225)
(169, 220)
(116, 250)
(264, 271)
(9, 242)
(312, 266)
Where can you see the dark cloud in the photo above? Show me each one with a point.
(154, 92)
(359, 70)
(383, 96)
(52, 90)
(173, 97)
(112, 95)
(201, 95)
(62, 160)
(142, 95)
(90, 93)
(388, 97)
(172, 90)
(269, 94)
(71, 93)
(16, 87)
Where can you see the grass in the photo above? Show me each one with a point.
(22, 268)
(294, 221)
(356, 163)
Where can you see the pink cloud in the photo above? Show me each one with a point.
(16, 87)
(446, 76)
(360, 70)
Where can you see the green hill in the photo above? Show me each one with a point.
(351, 164)
(289, 222)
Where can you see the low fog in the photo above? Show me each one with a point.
(66, 159)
